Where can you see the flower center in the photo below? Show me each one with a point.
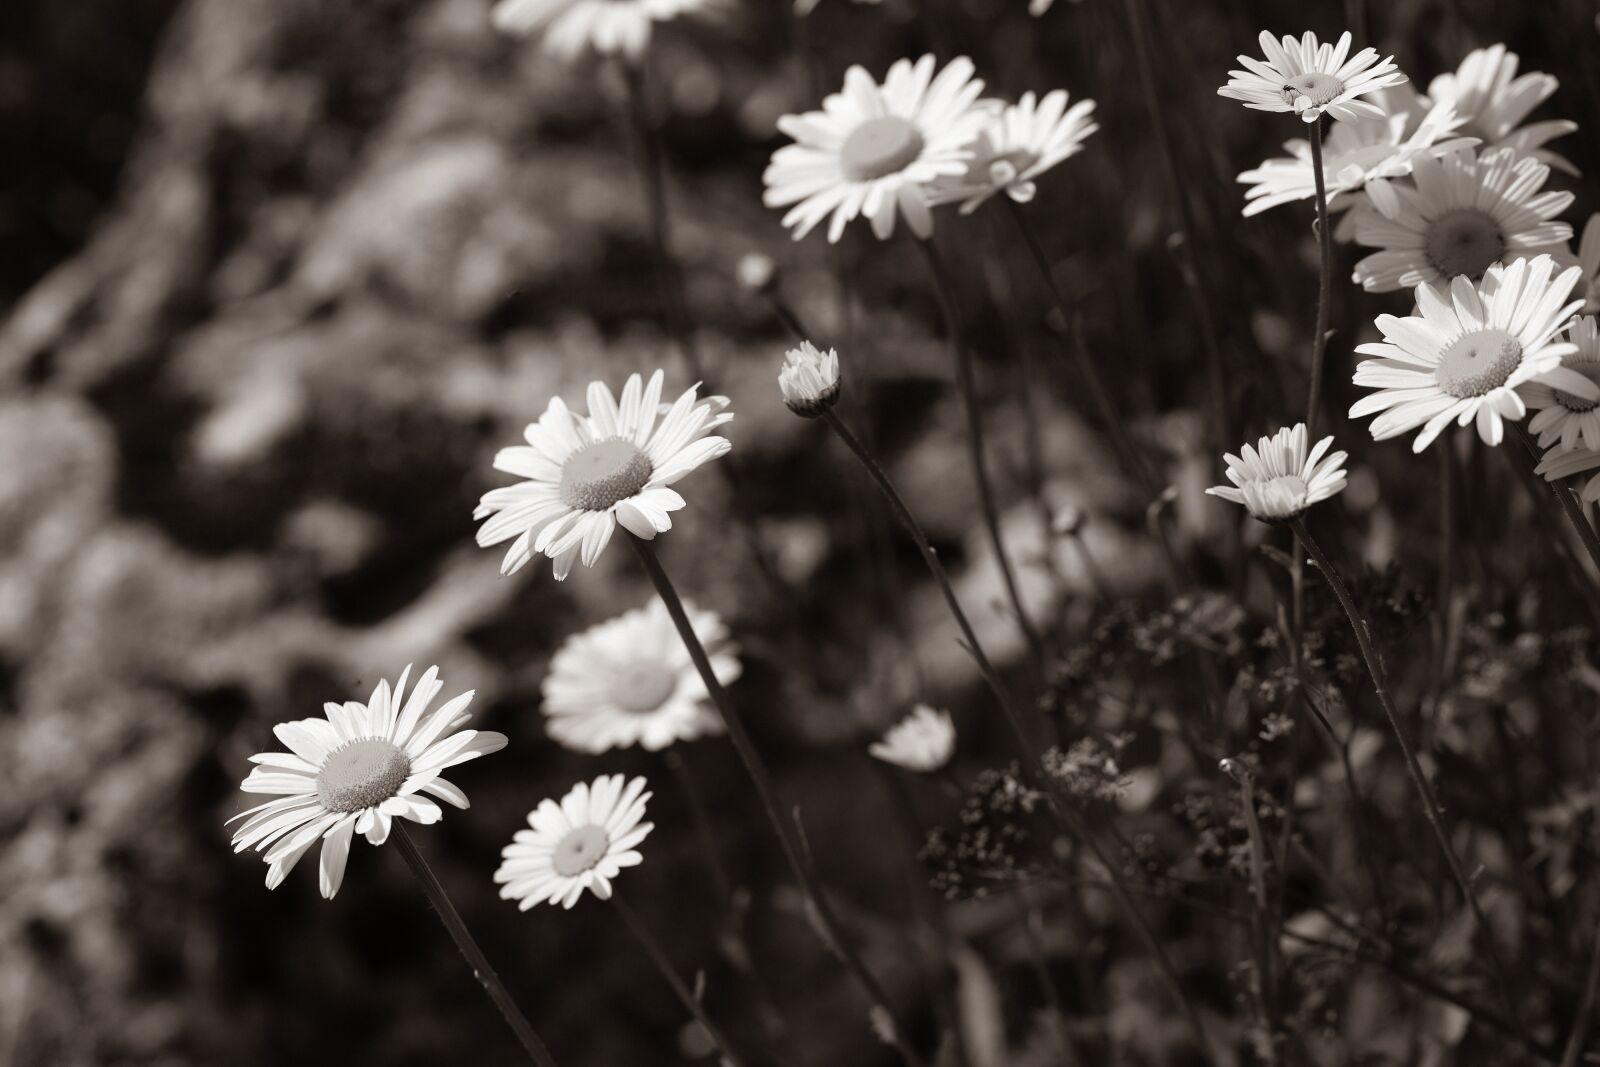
(1276, 498)
(580, 850)
(641, 688)
(879, 147)
(1464, 241)
(597, 476)
(362, 774)
(1576, 403)
(1475, 363)
(1318, 87)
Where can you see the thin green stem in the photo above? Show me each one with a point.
(475, 958)
(1319, 340)
(766, 789)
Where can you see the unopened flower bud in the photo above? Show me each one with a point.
(809, 380)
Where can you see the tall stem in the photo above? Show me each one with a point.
(1419, 780)
(1569, 505)
(1319, 340)
(475, 958)
(652, 948)
(766, 789)
(967, 384)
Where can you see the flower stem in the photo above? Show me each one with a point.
(1564, 497)
(1419, 780)
(652, 948)
(967, 384)
(1319, 340)
(766, 789)
(475, 958)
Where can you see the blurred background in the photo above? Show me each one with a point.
(277, 281)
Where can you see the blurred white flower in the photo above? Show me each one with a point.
(609, 27)
(1019, 143)
(629, 681)
(587, 473)
(874, 149)
(1565, 418)
(354, 771)
(1492, 100)
(922, 741)
(1278, 479)
(1589, 260)
(809, 379)
(1464, 215)
(1465, 355)
(757, 272)
(582, 843)
(1310, 78)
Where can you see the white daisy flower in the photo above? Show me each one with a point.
(1565, 418)
(1487, 93)
(809, 379)
(1558, 465)
(1589, 260)
(1363, 155)
(1020, 142)
(629, 681)
(923, 741)
(354, 771)
(1278, 479)
(582, 843)
(873, 150)
(587, 473)
(1310, 78)
(1463, 357)
(1464, 215)
(608, 27)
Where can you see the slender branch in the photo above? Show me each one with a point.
(1319, 340)
(475, 958)
(1579, 1036)
(766, 789)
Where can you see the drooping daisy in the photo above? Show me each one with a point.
(809, 379)
(1487, 93)
(1467, 352)
(629, 681)
(923, 741)
(1463, 216)
(1361, 155)
(1020, 142)
(1564, 419)
(873, 150)
(1589, 260)
(587, 473)
(1558, 465)
(1279, 479)
(354, 771)
(582, 843)
(1310, 78)
(608, 27)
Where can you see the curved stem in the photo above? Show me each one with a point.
(1563, 495)
(766, 789)
(967, 384)
(652, 948)
(1319, 340)
(475, 958)
(1419, 780)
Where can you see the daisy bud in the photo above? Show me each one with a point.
(757, 273)
(809, 380)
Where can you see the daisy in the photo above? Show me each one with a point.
(587, 473)
(1309, 79)
(923, 741)
(1465, 355)
(1487, 93)
(809, 379)
(629, 681)
(1563, 418)
(609, 27)
(1589, 260)
(1278, 479)
(1463, 216)
(874, 149)
(1557, 465)
(354, 771)
(581, 843)
(1359, 156)
(1020, 143)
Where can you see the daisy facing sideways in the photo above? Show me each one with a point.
(580, 844)
(585, 474)
(1493, 101)
(1020, 143)
(923, 741)
(1279, 479)
(609, 27)
(873, 149)
(354, 771)
(629, 681)
(1564, 419)
(1308, 78)
(1464, 356)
